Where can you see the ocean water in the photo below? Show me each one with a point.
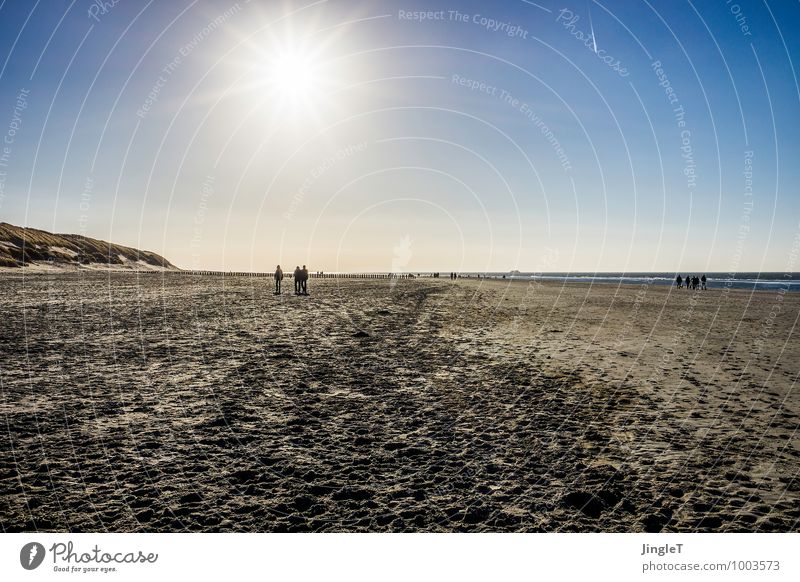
(789, 282)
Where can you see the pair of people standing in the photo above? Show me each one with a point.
(300, 280)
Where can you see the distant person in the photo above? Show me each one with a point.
(304, 280)
(695, 282)
(679, 282)
(297, 276)
(688, 282)
(278, 279)
(703, 282)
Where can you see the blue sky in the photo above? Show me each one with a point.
(347, 135)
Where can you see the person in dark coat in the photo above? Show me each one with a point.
(304, 280)
(297, 280)
(679, 281)
(703, 282)
(278, 279)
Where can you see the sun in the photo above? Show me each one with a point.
(295, 80)
(296, 75)
(293, 75)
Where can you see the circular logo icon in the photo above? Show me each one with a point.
(31, 555)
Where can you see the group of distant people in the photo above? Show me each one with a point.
(691, 282)
(300, 280)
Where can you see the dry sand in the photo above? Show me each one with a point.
(178, 403)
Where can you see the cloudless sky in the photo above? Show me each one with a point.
(356, 136)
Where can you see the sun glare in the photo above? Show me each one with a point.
(294, 79)
(294, 71)
(293, 75)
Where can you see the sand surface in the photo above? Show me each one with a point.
(185, 403)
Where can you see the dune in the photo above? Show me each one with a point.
(44, 251)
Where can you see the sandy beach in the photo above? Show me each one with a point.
(184, 403)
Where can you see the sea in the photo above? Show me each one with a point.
(788, 282)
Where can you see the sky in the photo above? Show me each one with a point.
(409, 136)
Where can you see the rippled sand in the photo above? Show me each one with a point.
(184, 403)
